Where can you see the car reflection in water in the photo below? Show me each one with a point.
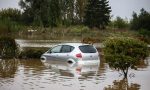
(72, 69)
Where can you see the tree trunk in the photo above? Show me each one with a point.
(125, 72)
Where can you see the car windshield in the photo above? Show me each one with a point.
(87, 49)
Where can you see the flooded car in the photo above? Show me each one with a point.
(72, 53)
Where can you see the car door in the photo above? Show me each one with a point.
(66, 52)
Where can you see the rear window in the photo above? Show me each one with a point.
(87, 49)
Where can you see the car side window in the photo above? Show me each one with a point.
(67, 49)
(56, 49)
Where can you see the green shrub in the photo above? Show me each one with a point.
(144, 35)
(4, 27)
(120, 23)
(8, 26)
(31, 53)
(79, 29)
(124, 53)
(144, 32)
(8, 47)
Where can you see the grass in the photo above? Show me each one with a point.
(73, 33)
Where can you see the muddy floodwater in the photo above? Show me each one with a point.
(57, 75)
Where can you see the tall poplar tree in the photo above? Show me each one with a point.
(80, 8)
(97, 13)
(46, 12)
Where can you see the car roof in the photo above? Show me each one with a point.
(74, 44)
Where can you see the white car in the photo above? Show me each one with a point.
(72, 53)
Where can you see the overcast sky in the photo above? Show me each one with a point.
(122, 8)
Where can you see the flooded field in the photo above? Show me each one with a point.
(33, 74)
(57, 75)
(42, 43)
(48, 43)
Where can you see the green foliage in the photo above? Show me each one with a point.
(31, 53)
(141, 21)
(120, 23)
(67, 11)
(52, 13)
(124, 53)
(8, 47)
(8, 26)
(37, 21)
(97, 13)
(10, 20)
(36, 10)
(10, 13)
(80, 7)
(4, 27)
(145, 33)
(79, 29)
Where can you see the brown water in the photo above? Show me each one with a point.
(56, 75)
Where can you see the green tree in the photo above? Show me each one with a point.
(37, 21)
(67, 12)
(46, 12)
(141, 24)
(80, 8)
(140, 21)
(10, 13)
(55, 13)
(10, 20)
(97, 13)
(124, 53)
(120, 23)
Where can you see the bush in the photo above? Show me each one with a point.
(144, 32)
(4, 27)
(120, 23)
(8, 47)
(144, 35)
(8, 26)
(124, 53)
(31, 53)
(79, 30)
